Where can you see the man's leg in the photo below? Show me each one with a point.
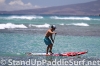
(51, 45)
(47, 49)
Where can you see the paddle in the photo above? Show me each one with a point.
(54, 36)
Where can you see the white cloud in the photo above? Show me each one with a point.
(16, 5)
(16, 2)
(29, 4)
(2, 1)
(36, 6)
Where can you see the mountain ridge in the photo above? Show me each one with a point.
(90, 8)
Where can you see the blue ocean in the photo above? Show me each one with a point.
(20, 34)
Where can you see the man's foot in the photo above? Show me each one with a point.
(29, 54)
(51, 52)
(47, 55)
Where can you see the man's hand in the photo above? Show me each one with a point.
(53, 41)
(55, 33)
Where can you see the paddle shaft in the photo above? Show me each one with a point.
(54, 37)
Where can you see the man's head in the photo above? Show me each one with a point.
(53, 27)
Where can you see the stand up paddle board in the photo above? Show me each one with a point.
(58, 54)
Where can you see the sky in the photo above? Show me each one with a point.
(11, 5)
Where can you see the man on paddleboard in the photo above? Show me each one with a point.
(49, 40)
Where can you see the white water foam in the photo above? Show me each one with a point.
(62, 24)
(79, 24)
(70, 18)
(25, 17)
(40, 26)
(12, 26)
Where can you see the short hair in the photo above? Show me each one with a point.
(53, 26)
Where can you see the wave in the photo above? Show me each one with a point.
(40, 26)
(61, 24)
(12, 26)
(70, 18)
(24, 17)
(79, 24)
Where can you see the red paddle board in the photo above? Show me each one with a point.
(58, 54)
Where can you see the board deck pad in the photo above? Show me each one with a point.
(58, 54)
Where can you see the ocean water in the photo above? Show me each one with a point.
(20, 34)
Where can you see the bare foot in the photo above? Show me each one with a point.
(50, 52)
(47, 54)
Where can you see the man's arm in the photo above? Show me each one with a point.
(52, 32)
(52, 35)
(52, 38)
